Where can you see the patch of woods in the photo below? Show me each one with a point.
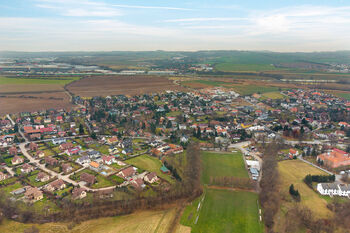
(319, 179)
(269, 195)
(188, 188)
(294, 192)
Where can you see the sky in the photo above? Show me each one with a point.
(174, 25)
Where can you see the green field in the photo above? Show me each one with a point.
(47, 80)
(251, 89)
(272, 95)
(149, 163)
(343, 95)
(222, 164)
(231, 67)
(224, 211)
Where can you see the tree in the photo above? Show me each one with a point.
(93, 135)
(15, 128)
(81, 129)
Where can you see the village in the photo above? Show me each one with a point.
(119, 146)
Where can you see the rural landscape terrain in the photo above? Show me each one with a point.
(207, 141)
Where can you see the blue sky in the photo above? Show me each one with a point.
(106, 25)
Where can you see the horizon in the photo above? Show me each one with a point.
(106, 25)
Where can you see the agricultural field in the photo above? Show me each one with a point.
(38, 81)
(33, 94)
(231, 67)
(222, 164)
(224, 211)
(293, 172)
(149, 163)
(118, 85)
(138, 222)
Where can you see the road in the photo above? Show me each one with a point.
(241, 146)
(36, 162)
(337, 177)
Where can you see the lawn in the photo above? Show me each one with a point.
(293, 172)
(222, 164)
(224, 211)
(231, 67)
(12, 187)
(149, 163)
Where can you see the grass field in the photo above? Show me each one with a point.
(224, 211)
(293, 172)
(149, 163)
(272, 95)
(139, 222)
(231, 67)
(344, 95)
(251, 89)
(222, 164)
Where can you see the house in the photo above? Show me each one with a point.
(107, 193)
(165, 170)
(13, 151)
(94, 165)
(33, 194)
(67, 168)
(137, 183)
(88, 140)
(293, 153)
(88, 178)
(334, 158)
(151, 177)
(26, 168)
(332, 189)
(73, 151)
(93, 154)
(17, 160)
(112, 140)
(83, 160)
(40, 154)
(55, 185)
(42, 177)
(51, 161)
(108, 159)
(127, 172)
(78, 193)
(33, 146)
(58, 141)
(66, 146)
(3, 176)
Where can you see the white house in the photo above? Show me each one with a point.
(332, 189)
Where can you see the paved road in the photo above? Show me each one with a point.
(337, 177)
(241, 146)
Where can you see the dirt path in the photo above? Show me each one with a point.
(232, 189)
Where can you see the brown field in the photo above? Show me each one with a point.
(13, 103)
(25, 88)
(142, 222)
(117, 85)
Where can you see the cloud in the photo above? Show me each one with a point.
(79, 8)
(152, 7)
(204, 19)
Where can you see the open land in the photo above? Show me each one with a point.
(145, 222)
(293, 172)
(224, 211)
(222, 164)
(118, 85)
(12, 103)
